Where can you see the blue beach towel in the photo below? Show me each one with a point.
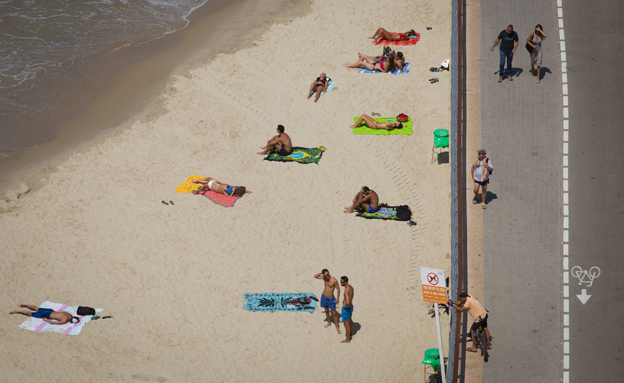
(272, 302)
(329, 87)
(396, 72)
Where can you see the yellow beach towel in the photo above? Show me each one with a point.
(189, 186)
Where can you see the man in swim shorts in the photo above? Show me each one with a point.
(366, 199)
(328, 301)
(280, 144)
(478, 313)
(48, 315)
(347, 309)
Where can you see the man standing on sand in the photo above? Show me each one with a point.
(328, 301)
(347, 309)
(508, 47)
(280, 144)
(481, 169)
(366, 199)
(478, 313)
(48, 315)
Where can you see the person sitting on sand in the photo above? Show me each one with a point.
(382, 34)
(383, 66)
(376, 124)
(221, 188)
(48, 315)
(280, 144)
(319, 85)
(367, 199)
(399, 58)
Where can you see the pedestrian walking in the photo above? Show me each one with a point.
(481, 170)
(535, 41)
(509, 42)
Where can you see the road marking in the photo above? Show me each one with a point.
(583, 296)
(585, 276)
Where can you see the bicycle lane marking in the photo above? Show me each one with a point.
(566, 207)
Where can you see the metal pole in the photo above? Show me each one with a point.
(441, 352)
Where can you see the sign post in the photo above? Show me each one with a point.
(434, 290)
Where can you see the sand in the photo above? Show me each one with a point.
(173, 276)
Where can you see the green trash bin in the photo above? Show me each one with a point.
(432, 358)
(441, 138)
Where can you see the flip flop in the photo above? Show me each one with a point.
(165, 202)
(106, 317)
(171, 202)
(95, 317)
(471, 350)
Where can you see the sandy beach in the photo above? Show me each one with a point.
(173, 276)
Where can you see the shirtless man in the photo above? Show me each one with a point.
(281, 144)
(347, 309)
(366, 199)
(48, 315)
(328, 301)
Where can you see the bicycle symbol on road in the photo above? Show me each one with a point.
(585, 276)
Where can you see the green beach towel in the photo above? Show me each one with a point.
(301, 155)
(405, 131)
(396, 213)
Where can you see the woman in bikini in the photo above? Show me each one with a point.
(219, 187)
(376, 124)
(399, 60)
(385, 66)
(319, 85)
(382, 34)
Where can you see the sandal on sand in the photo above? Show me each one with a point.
(106, 317)
(171, 202)
(165, 202)
(470, 349)
(95, 317)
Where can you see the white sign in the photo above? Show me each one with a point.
(433, 285)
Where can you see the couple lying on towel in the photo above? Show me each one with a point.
(366, 199)
(371, 123)
(388, 62)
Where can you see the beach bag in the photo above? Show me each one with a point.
(83, 310)
(402, 117)
(529, 48)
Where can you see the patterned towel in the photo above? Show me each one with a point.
(401, 42)
(301, 155)
(396, 72)
(39, 325)
(397, 213)
(405, 131)
(272, 302)
(189, 186)
(218, 198)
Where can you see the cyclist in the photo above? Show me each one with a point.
(480, 316)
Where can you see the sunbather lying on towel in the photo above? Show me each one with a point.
(375, 124)
(381, 33)
(220, 187)
(383, 66)
(399, 59)
(48, 315)
(280, 144)
(319, 85)
(366, 199)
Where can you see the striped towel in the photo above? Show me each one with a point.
(39, 325)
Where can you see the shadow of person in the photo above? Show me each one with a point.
(489, 197)
(356, 327)
(516, 72)
(543, 71)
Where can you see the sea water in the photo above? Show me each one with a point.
(48, 46)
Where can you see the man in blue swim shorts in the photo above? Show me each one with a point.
(347, 309)
(365, 199)
(328, 301)
(48, 315)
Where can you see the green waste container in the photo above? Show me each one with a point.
(432, 358)
(441, 138)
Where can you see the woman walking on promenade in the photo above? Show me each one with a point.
(535, 40)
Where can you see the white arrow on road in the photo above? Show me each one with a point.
(583, 297)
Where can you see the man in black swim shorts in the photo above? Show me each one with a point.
(280, 144)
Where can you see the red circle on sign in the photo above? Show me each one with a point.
(432, 278)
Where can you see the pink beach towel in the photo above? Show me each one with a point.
(220, 199)
(400, 42)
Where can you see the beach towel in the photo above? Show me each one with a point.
(329, 87)
(301, 155)
(396, 72)
(189, 186)
(272, 302)
(400, 42)
(218, 198)
(405, 131)
(397, 213)
(39, 325)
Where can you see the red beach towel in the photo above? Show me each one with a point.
(220, 199)
(400, 42)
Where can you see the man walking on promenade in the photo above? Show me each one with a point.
(478, 313)
(347, 309)
(509, 42)
(481, 169)
(328, 301)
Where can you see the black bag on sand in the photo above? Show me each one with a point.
(83, 310)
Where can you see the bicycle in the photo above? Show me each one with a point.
(482, 343)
